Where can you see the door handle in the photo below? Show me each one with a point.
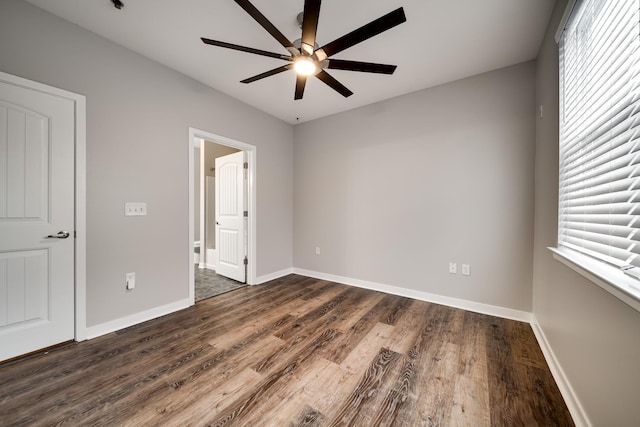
(60, 235)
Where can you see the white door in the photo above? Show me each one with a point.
(230, 219)
(36, 201)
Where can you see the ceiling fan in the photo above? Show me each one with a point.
(306, 58)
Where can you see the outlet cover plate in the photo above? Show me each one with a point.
(466, 270)
(453, 268)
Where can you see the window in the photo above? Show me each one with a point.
(599, 194)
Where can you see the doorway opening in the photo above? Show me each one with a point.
(221, 236)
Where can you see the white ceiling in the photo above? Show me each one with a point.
(442, 41)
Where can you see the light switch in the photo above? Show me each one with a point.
(130, 279)
(135, 209)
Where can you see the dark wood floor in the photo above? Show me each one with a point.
(299, 352)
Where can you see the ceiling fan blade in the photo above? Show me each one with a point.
(334, 84)
(301, 81)
(265, 23)
(268, 73)
(366, 67)
(246, 49)
(310, 25)
(365, 32)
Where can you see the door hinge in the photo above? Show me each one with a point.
(246, 165)
(246, 261)
(246, 214)
(75, 234)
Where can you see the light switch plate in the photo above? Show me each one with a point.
(130, 279)
(135, 209)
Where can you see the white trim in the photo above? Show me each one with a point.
(203, 201)
(273, 276)
(191, 275)
(571, 4)
(252, 153)
(81, 219)
(611, 279)
(211, 259)
(136, 318)
(571, 399)
(80, 151)
(477, 307)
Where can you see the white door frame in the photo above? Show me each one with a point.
(251, 151)
(80, 149)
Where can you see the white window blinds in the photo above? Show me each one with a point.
(599, 194)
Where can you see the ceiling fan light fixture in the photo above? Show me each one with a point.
(305, 57)
(305, 66)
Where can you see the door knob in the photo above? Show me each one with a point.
(60, 235)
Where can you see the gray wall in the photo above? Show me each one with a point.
(138, 115)
(594, 336)
(392, 192)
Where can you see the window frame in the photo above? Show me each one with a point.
(607, 276)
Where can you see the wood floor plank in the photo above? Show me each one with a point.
(340, 349)
(294, 307)
(269, 385)
(339, 381)
(408, 326)
(543, 392)
(398, 396)
(332, 314)
(297, 351)
(284, 401)
(471, 396)
(309, 418)
(524, 347)
(470, 403)
(436, 386)
(224, 381)
(504, 380)
(112, 383)
(368, 386)
(423, 351)
(316, 317)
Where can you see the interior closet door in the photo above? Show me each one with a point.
(231, 222)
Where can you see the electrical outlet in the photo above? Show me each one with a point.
(317, 250)
(466, 270)
(130, 280)
(453, 268)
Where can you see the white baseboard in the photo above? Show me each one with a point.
(477, 307)
(573, 404)
(272, 276)
(134, 319)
